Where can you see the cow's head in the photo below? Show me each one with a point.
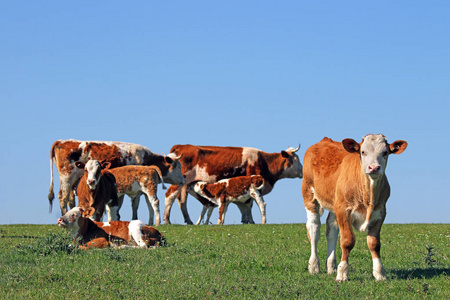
(92, 171)
(292, 167)
(71, 220)
(174, 175)
(374, 151)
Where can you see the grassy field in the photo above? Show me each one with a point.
(231, 261)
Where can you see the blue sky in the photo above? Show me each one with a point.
(263, 74)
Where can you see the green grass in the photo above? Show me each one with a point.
(231, 261)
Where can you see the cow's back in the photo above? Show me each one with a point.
(221, 162)
(323, 166)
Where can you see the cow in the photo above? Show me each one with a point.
(117, 234)
(134, 181)
(348, 179)
(213, 163)
(236, 189)
(97, 189)
(66, 152)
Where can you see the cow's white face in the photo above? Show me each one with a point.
(70, 220)
(94, 171)
(374, 151)
(174, 175)
(374, 154)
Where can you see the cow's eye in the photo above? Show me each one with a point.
(363, 153)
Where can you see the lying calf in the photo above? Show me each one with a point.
(236, 189)
(119, 234)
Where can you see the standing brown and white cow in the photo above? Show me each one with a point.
(213, 163)
(66, 152)
(97, 189)
(349, 180)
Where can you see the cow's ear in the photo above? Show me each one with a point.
(351, 145)
(106, 165)
(79, 164)
(88, 212)
(398, 147)
(284, 154)
(168, 160)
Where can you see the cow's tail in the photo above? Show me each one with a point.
(51, 195)
(158, 170)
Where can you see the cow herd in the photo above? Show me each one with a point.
(346, 178)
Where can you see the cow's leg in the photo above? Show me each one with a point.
(182, 201)
(171, 194)
(332, 236)
(202, 214)
(112, 208)
(120, 199)
(208, 216)
(222, 211)
(347, 243)
(373, 241)
(243, 209)
(313, 231)
(153, 208)
(246, 211)
(261, 203)
(66, 196)
(135, 206)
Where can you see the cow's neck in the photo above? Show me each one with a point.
(272, 172)
(372, 190)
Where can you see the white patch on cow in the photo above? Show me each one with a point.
(249, 155)
(106, 224)
(313, 227)
(82, 146)
(378, 270)
(374, 153)
(359, 220)
(197, 172)
(342, 271)
(70, 221)
(135, 231)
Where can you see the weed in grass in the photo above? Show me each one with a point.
(429, 256)
(53, 243)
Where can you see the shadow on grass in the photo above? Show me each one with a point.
(18, 236)
(419, 273)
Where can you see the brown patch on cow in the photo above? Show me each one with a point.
(125, 176)
(104, 193)
(116, 233)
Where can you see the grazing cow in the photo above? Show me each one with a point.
(97, 189)
(119, 234)
(66, 152)
(349, 180)
(236, 189)
(211, 164)
(137, 180)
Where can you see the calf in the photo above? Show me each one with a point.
(136, 180)
(349, 180)
(114, 234)
(97, 189)
(239, 189)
